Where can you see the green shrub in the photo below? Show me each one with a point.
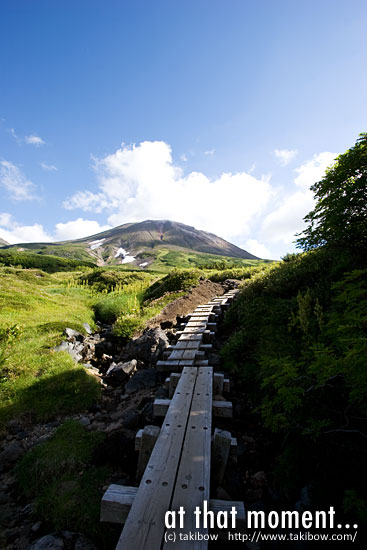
(175, 281)
(127, 326)
(48, 263)
(108, 280)
(109, 308)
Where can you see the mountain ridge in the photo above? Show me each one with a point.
(141, 243)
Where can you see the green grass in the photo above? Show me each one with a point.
(65, 484)
(34, 380)
(46, 262)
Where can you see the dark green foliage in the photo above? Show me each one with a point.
(175, 281)
(300, 351)
(50, 264)
(339, 218)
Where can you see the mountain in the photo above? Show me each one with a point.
(3, 243)
(145, 243)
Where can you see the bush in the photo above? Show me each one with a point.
(50, 264)
(108, 280)
(127, 326)
(175, 281)
(109, 308)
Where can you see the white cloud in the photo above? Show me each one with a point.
(313, 170)
(141, 182)
(77, 229)
(209, 153)
(286, 220)
(257, 249)
(15, 182)
(48, 167)
(183, 157)
(33, 139)
(14, 232)
(285, 156)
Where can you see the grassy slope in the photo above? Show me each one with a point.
(35, 380)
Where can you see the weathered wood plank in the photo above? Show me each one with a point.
(118, 499)
(144, 526)
(222, 408)
(148, 439)
(222, 441)
(193, 478)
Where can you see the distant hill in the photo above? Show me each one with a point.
(145, 244)
(3, 243)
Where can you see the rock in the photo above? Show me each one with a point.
(75, 349)
(83, 544)
(36, 527)
(258, 480)
(120, 373)
(11, 454)
(48, 542)
(230, 284)
(145, 378)
(4, 497)
(148, 347)
(74, 334)
(87, 328)
(13, 427)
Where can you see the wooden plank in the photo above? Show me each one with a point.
(177, 354)
(221, 447)
(218, 383)
(117, 502)
(173, 383)
(193, 478)
(190, 337)
(148, 439)
(190, 353)
(222, 408)
(118, 499)
(144, 527)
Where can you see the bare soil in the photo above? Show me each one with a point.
(198, 295)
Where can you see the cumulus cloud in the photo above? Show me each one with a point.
(35, 140)
(285, 156)
(286, 220)
(141, 182)
(77, 229)
(48, 167)
(15, 182)
(14, 232)
(258, 249)
(313, 170)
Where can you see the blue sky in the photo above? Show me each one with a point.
(216, 114)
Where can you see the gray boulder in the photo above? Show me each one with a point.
(121, 372)
(75, 349)
(48, 542)
(145, 378)
(148, 347)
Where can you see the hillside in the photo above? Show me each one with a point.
(145, 244)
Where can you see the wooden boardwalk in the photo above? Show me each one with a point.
(175, 461)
